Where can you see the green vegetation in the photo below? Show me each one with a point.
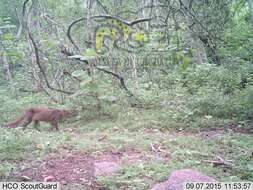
(164, 94)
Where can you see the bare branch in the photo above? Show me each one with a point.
(37, 61)
(102, 17)
(69, 30)
(103, 7)
(120, 78)
(24, 7)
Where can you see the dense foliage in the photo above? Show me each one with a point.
(177, 64)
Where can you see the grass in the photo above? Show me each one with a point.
(187, 151)
(135, 128)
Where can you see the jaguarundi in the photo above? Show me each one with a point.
(49, 115)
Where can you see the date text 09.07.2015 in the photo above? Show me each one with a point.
(218, 186)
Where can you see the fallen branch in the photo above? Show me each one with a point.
(220, 161)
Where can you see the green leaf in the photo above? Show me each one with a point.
(108, 98)
(15, 54)
(90, 53)
(8, 36)
(93, 86)
(78, 73)
(186, 62)
(7, 26)
(84, 84)
(250, 166)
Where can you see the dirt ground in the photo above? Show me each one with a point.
(83, 168)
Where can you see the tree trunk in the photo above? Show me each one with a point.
(144, 14)
(37, 82)
(88, 21)
(134, 71)
(199, 51)
(250, 4)
(6, 68)
(88, 29)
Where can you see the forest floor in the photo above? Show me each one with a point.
(133, 150)
(121, 158)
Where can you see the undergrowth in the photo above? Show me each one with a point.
(198, 98)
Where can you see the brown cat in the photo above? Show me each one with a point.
(52, 116)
